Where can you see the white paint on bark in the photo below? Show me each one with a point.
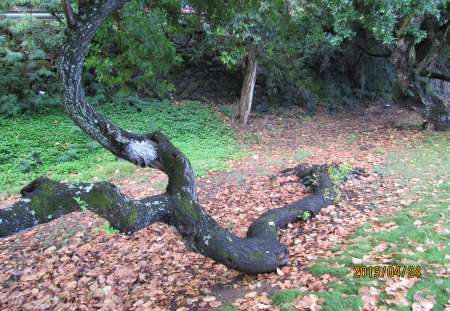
(141, 151)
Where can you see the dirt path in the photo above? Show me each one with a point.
(69, 263)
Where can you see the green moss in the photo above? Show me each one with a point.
(133, 217)
(98, 201)
(187, 209)
(222, 253)
(42, 201)
(255, 257)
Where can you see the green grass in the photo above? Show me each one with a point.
(301, 154)
(419, 234)
(321, 269)
(68, 154)
(285, 296)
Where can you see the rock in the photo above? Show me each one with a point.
(183, 84)
(270, 127)
(308, 102)
(260, 107)
(192, 86)
(196, 96)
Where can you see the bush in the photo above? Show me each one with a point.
(26, 165)
(70, 155)
(28, 52)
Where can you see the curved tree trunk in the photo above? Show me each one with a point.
(248, 85)
(415, 65)
(44, 200)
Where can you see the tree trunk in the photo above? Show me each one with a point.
(248, 85)
(411, 87)
(44, 200)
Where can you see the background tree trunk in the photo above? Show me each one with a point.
(248, 85)
(411, 88)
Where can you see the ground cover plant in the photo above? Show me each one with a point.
(50, 144)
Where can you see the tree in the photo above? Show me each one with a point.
(44, 200)
(416, 34)
(28, 52)
(252, 35)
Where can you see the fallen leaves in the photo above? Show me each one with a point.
(398, 288)
(67, 263)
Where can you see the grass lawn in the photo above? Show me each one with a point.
(67, 153)
(417, 238)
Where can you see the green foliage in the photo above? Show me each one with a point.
(107, 229)
(302, 154)
(320, 269)
(305, 216)
(28, 50)
(229, 225)
(26, 165)
(69, 154)
(125, 56)
(82, 204)
(338, 175)
(92, 146)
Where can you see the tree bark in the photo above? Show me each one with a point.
(248, 85)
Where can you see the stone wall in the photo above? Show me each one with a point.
(208, 79)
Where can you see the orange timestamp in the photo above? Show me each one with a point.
(386, 271)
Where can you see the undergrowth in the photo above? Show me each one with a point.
(50, 143)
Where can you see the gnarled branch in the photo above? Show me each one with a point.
(435, 75)
(44, 200)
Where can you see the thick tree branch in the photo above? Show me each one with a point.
(68, 12)
(151, 149)
(435, 75)
(374, 54)
(44, 200)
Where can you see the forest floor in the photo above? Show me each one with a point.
(396, 214)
